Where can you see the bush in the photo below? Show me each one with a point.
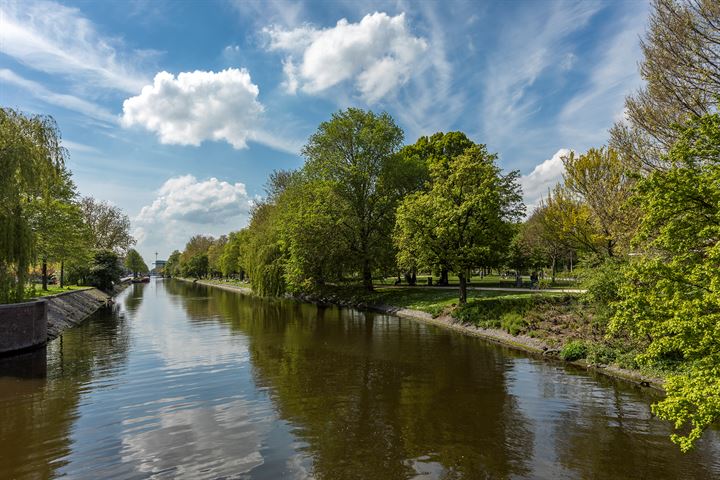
(574, 350)
(599, 354)
(603, 285)
(105, 270)
(512, 323)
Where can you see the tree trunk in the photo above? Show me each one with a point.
(62, 273)
(463, 288)
(44, 274)
(553, 270)
(367, 275)
(443, 277)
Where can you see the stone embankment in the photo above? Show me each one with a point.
(69, 309)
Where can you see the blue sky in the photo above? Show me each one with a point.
(178, 111)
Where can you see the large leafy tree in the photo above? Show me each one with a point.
(31, 159)
(599, 180)
(436, 150)
(355, 152)
(464, 214)
(59, 228)
(671, 294)
(308, 224)
(109, 226)
(135, 263)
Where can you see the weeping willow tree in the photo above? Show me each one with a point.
(262, 256)
(31, 159)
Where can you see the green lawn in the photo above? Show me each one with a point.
(54, 289)
(430, 300)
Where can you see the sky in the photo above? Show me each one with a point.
(177, 112)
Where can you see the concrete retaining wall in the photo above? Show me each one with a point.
(23, 325)
(69, 309)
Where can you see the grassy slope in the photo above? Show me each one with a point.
(54, 290)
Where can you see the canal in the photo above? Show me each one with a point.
(185, 381)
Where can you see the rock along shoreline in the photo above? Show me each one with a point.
(524, 343)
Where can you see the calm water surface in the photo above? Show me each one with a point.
(182, 381)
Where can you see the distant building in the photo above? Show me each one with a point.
(158, 266)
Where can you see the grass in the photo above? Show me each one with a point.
(430, 300)
(54, 290)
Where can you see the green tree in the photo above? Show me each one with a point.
(105, 270)
(31, 159)
(465, 214)
(437, 150)
(58, 227)
(308, 222)
(135, 263)
(599, 180)
(214, 253)
(355, 153)
(109, 226)
(671, 293)
(231, 258)
(197, 266)
(172, 266)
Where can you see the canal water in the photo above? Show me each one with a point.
(184, 381)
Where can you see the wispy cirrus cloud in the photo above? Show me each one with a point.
(58, 40)
(530, 46)
(70, 102)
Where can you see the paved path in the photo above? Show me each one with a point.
(493, 289)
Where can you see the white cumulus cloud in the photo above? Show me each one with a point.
(197, 106)
(543, 178)
(187, 199)
(185, 206)
(379, 54)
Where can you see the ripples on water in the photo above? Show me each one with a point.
(181, 381)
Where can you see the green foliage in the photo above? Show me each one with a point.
(574, 350)
(109, 226)
(603, 285)
(487, 312)
(461, 220)
(134, 262)
(31, 159)
(355, 153)
(172, 266)
(671, 292)
(105, 270)
(600, 354)
(512, 322)
(197, 266)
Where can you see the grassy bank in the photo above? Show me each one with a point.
(55, 289)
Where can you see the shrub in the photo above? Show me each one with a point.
(599, 354)
(574, 350)
(512, 323)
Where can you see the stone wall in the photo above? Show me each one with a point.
(69, 309)
(23, 325)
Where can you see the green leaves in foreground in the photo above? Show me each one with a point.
(671, 293)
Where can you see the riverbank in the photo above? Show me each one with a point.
(437, 307)
(69, 309)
